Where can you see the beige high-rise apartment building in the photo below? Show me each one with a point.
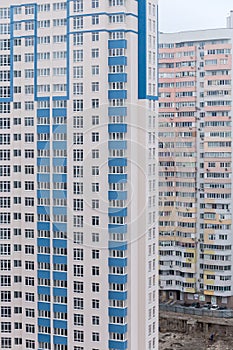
(195, 154)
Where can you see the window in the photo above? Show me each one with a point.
(95, 20)
(78, 171)
(78, 155)
(78, 254)
(78, 22)
(95, 220)
(95, 287)
(94, 53)
(95, 254)
(28, 121)
(78, 72)
(95, 153)
(6, 327)
(95, 270)
(77, 105)
(78, 188)
(95, 303)
(95, 137)
(78, 5)
(95, 36)
(95, 86)
(79, 336)
(95, 336)
(78, 287)
(78, 88)
(78, 237)
(95, 203)
(78, 204)
(95, 187)
(95, 70)
(78, 55)
(78, 122)
(95, 120)
(95, 4)
(5, 343)
(95, 103)
(78, 303)
(78, 319)
(78, 39)
(78, 271)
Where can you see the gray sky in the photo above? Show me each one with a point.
(178, 15)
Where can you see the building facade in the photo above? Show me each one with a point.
(78, 114)
(195, 153)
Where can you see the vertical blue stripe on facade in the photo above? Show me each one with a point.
(114, 178)
(142, 50)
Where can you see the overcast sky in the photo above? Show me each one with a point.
(178, 15)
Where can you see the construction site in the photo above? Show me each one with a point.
(181, 331)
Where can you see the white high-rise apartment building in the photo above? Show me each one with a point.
(78, 184)
(196, 241)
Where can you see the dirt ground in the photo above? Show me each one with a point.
(179, 341)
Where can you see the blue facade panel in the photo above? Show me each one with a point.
(43, 274)
(43, 226)
(122, 279)
(117, 212)
(117, 295)
(121, 195)
(43, 113)
(43, 194)
(117, 61)
(117, 144)
(117, 245)
(62, 292)
(121, 312)
(43, 290)
(61, 276)
(60, 178)
(121, 262)
(114, 228)
(117, 44)
(117, 128)
(43, 177)
(59, 243)
(43, 129)
(59, 128)
(44, 306)
(59, 308)
(59, 112)
(43, 210)
(117, 328)
(114, 94)
(43, 242)
(59, 194)
(42, 145)
(117, 77)
(59, 210)
(58, 259)
(43, 258)
(59, 145)
(116, 178)
(119, 345)
(117, 162)
(44, 338)
(44, 322)
(43, 161)
(60, 324)
(59, 340)
(59, 161)
(59, 226)
(113, 111)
